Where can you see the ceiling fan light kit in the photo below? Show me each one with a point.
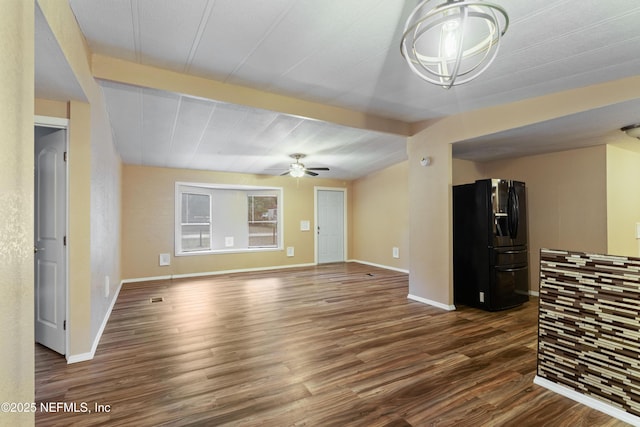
(632, 130)
(298, 170)
(453, 42)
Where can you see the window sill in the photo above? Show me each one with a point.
(228, 251)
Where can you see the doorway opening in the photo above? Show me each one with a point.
(50, 233)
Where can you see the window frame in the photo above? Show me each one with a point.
(209, 189)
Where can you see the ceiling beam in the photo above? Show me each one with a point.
(473, 124)
(121, 71)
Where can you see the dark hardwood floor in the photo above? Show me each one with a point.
(333, 345)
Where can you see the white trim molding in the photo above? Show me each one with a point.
(83, 357)
(373, 264)
(589, 401)
(214, 273)
(431, 302)
(51, 122)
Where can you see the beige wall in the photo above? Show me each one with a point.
(623, 198)
(148, 197)
(16, 207)
(381, 217)
(466, 172)
(79, 247)
(46, 107)
(430, 219)
(566, 205)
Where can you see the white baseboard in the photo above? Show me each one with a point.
(215, 273)
(83, 357)
(433, 303)
(146, 279)
(386, 267)
(534, 293)
(589, 401)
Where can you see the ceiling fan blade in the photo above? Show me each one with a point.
(317, 169)
(310, 173)
(284, 173)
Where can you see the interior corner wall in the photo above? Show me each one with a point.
(106, 175)
(623, 200)
(16, 208)
(466, 172)
(381, 217)
(79, 247)
(566, 199)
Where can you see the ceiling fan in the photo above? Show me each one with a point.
(298, 169)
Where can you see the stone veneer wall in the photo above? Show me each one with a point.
(589, 326)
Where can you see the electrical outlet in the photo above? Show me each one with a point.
(290, 251)
(396, 252)
(165, 259)
(228, 242)
(481, 296)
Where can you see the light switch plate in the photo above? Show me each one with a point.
(305, 225)
(637, 230)
(290, 251)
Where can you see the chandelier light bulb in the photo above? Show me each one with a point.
(449, 39)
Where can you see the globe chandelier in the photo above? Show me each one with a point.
(453, 42)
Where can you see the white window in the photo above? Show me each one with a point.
(263, 220)
(227, 218)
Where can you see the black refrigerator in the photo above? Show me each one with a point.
(490, 255)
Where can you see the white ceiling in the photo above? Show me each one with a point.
(343, 53)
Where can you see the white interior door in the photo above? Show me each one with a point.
(49, 239)
(330, 225)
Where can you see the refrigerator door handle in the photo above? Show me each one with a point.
(512, 212)
(511, 269)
